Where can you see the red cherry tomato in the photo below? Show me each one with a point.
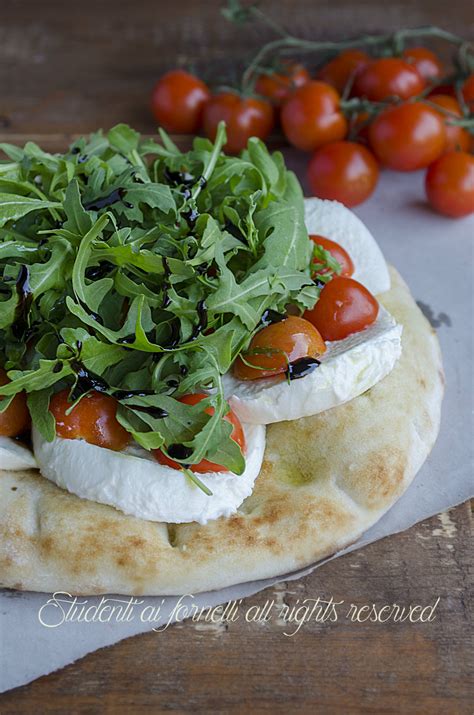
(408, 136)
(92, 419)
(15, 419)
(388, 77)
(343, 171)
(449, 184)
(273, 347)
(178, 100)
(338, 71)
(344, 307)
(244, 118)
(425, 61)
(205, 465)
(468, 92)
(337, 252)
(311, 116)
(456, 137)
(278, 86)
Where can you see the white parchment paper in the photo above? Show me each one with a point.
(435, 256)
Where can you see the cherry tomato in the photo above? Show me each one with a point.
(343, 171)
(178, 100)
(244, 118)
(290, 339)
(278, 86)
(344, 307)
(388, 77)
(408, 136)
(15, 419)
(338, 71)
(456, 137)
(337, 252)
(205, 465)
(311, 116)
(449, 184)
(92, 419)
(468, 92)
(425, 61)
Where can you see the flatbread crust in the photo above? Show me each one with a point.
(325, 480)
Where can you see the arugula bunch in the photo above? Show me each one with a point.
(133, 268)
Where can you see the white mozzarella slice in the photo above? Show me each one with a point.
(336, 222)
(138, 485)
(348, 368)
(15, 456)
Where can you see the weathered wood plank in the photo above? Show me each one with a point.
(340, 667)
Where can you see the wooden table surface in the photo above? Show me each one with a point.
(68, 68)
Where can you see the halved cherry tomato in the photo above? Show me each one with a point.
(338, 71)
(92, 419)
(205, 465)
(178, 100)
(337, 252)
(245, 117)
(344, 307)
(425, 61)
(15, 419)
(273, 347)
(449, 184)
(408, 136)
(311, 116)
(343, 171)
(468, 92)
(388, 77)
(456, 137)
(279, 85)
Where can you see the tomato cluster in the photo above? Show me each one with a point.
(357, 115)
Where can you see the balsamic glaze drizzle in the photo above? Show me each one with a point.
(179, 451)
(202, 320)
(166, 300)
(86, 381)
(112, 198)
(190, 216)
(301, 367)
(271, 316)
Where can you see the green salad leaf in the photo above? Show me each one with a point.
(131, 267)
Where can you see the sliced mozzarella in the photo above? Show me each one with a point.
(336, 222)
(15, 456)
(137, 484)
(348, 368)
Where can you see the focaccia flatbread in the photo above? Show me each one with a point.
(324, 481)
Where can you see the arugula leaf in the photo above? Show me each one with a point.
(14, 206)
(150, 268)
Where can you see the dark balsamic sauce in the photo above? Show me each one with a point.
(179, 451)
(301, 367)
(127, 394)
(190, 216)
(202, 320)
(86, 381)
(166, 300)
(178, 178)
(127, 340)
(94, 316)
(58, 367)
(271, 316)
(112, 198)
